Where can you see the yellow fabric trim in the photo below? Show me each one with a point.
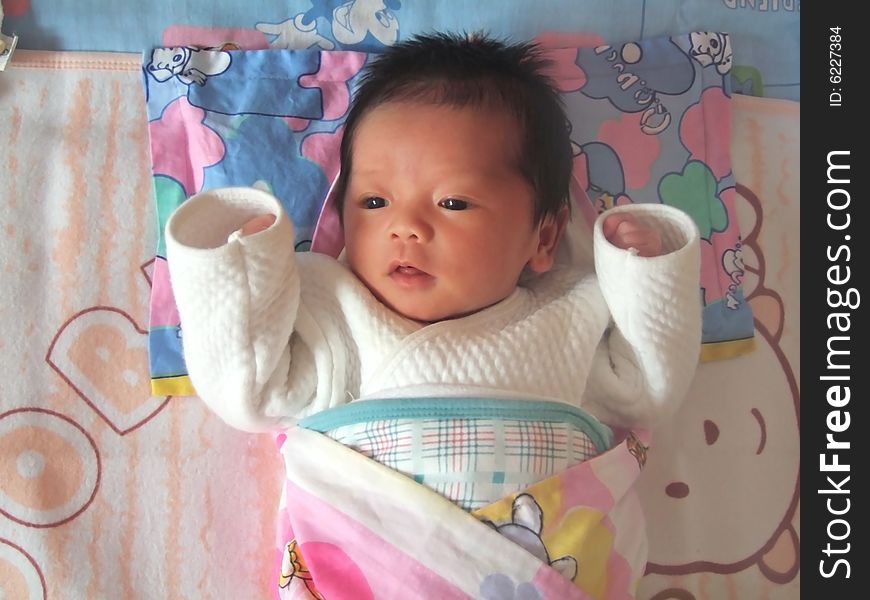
(720, 350)
(172, 386)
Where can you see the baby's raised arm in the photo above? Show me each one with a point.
(647, 259)
(238, 300)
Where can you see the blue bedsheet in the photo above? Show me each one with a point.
(765, 33)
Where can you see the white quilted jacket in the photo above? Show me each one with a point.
(271, 336)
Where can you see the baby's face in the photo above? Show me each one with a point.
(438, 218)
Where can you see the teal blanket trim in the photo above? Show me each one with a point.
(460, 408)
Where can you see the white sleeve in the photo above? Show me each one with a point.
(238, 300)
(646, 361)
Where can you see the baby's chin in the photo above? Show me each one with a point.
(434, 314)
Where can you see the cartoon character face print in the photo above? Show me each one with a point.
(524, 529)
(711, 48)
(189, 65)
(295, 33)
(167, 62)
(353, 21)
(725, 466)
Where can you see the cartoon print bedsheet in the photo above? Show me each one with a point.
(109, 491)
(766, 33)
(650, 122)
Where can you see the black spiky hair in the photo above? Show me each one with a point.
(477, 71)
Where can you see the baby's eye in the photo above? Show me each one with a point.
(373, 202)
(453, 204)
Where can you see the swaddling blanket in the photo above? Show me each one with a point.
(472, 451)
(350, 527)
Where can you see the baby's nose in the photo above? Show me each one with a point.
(411, 227)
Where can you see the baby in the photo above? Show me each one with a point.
(453, 197)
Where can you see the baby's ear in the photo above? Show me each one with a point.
(550, 232)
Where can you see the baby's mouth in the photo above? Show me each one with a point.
(408, 270)
(405, 274)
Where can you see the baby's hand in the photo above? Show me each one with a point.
(623, 231)
(257, 224)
